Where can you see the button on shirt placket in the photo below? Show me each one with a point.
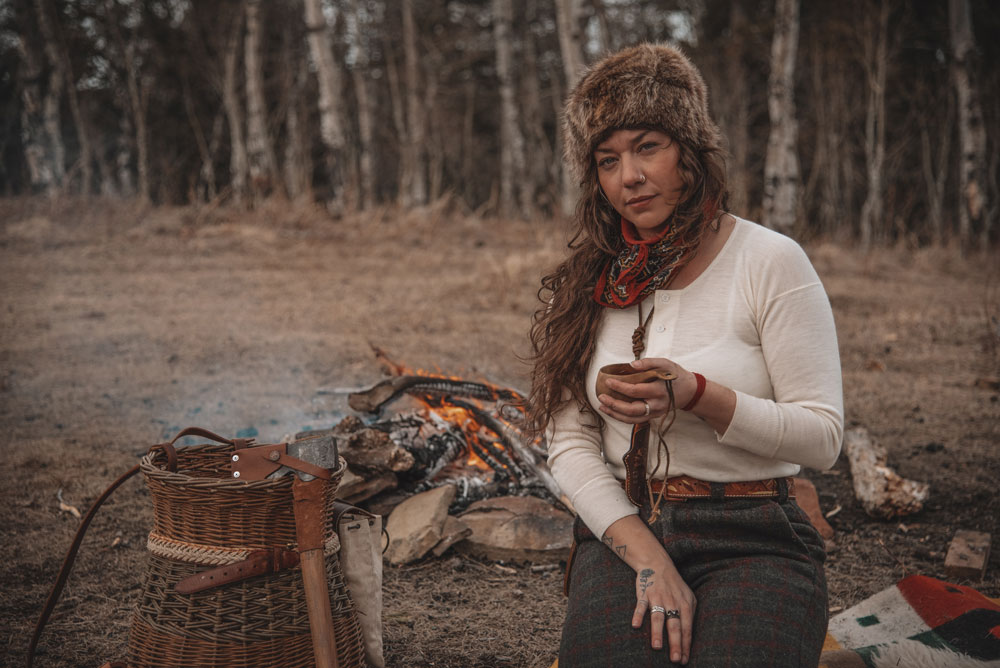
(661, 331)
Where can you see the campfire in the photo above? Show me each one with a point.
(440, 430)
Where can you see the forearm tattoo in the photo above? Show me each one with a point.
(645, 579)
(619, 549)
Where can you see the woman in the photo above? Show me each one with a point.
(704, 559)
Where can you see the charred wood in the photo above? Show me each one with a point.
(370, 401)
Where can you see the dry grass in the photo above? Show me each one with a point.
(123, 323)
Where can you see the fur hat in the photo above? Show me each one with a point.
(646, 85)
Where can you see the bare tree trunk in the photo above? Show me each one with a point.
(136, 97)
(52, 100)
(330, 91)
(434, 151)
(123, 157)
(935, 174)
(737, 103)
(206, 174)
(398, 118)
(971, 132)
(260, 149)
(781, 166)
(468, 137)
(238, 166)
(55, 49)
(366, 122)
(414, 179)
(37, 155)
(876, 63)
(297, 165)
(569, 17)
(538, 151)
(606, 42)
(512, 172)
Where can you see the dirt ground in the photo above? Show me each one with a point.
(121, 325)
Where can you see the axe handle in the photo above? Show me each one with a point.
(308, 499)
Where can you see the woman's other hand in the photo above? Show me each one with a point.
(660, 591)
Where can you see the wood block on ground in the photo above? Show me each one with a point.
(968, 555)
(808, 500)
(415, 525)
(517, 528)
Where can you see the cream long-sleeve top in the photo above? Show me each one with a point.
(758, 321)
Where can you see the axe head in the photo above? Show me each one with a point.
(308, 458)
(319, 450)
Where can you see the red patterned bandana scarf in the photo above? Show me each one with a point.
(642, 267)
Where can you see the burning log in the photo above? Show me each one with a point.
(513, 437)
(367, 450)
(881, 491)
(465, 435)
(370, 401)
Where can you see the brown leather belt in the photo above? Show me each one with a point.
(682, 488)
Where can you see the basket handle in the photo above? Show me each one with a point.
(171, 451)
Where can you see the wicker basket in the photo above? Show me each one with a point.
(204, 518)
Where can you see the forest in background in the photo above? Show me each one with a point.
(861, 121)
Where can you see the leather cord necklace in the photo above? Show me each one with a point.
(635, 459)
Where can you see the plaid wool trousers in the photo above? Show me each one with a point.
(755, 567)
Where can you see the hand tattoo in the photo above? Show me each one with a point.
(646, 579)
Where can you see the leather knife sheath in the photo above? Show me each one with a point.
(635, 464)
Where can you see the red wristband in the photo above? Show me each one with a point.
(699, 390)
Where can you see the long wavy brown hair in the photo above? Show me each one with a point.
(564, 328)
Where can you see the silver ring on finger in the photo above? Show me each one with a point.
(646, 404)
(673, 614)
(659, 608)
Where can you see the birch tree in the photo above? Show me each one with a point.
(260, 149)
(366, 121)
(53, 98)
(37, 156)
(330, 90)
(971, 132)
(737, 105)
(55, 49)
(570, 22)
(297, 164)
(513, 176)
(238, 163)
(781, 167)
(876, 63)
(413, 187)
(137, 98)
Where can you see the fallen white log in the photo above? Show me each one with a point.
(881, 491)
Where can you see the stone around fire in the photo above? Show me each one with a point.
(415, 526)
(517, 528)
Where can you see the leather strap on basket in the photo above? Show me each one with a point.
(260, 562)
(261, 461)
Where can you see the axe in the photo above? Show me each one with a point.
(309, 460)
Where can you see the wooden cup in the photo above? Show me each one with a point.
(626, 373)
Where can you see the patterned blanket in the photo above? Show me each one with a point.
(918, 623)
